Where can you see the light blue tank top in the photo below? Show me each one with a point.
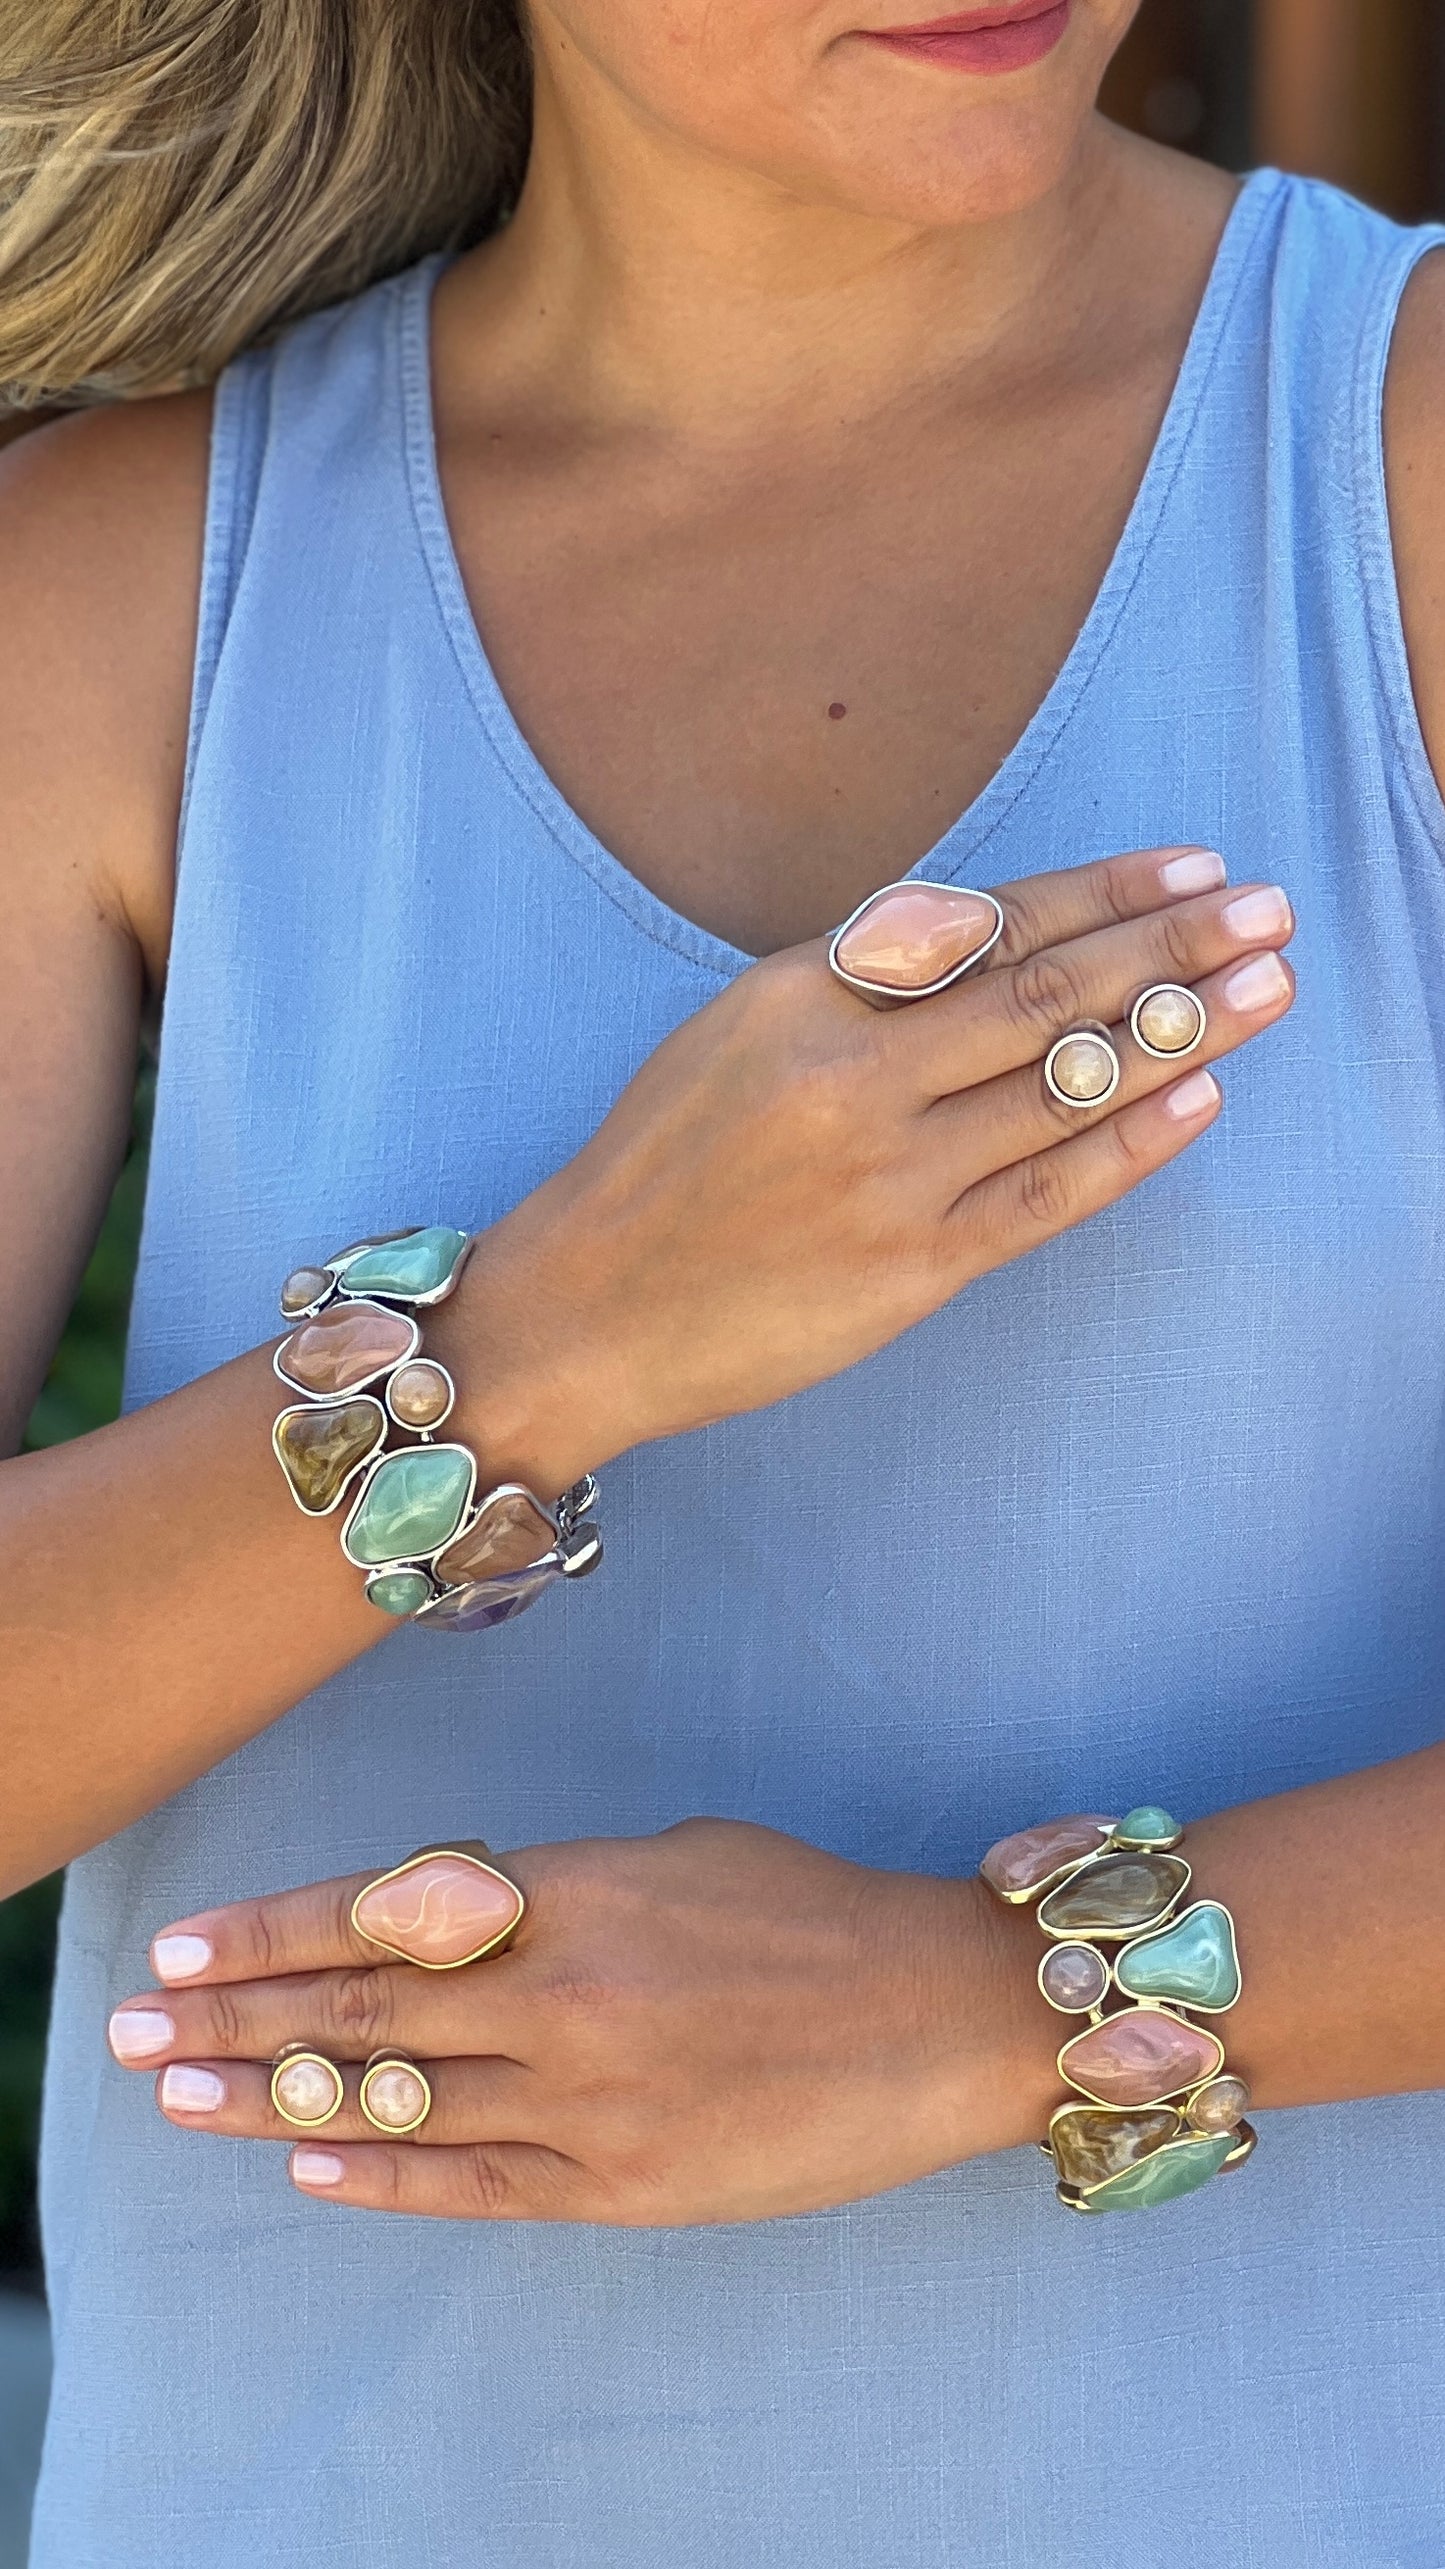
(1159, 1512)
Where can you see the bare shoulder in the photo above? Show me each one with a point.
(101, 530)
(1415, 473)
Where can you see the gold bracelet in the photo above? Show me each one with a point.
(371, 1403)
(1162, 2114)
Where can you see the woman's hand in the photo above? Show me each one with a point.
(715, 2024)
(794, 1178)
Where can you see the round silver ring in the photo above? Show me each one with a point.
(1179, 1001)
(883, 994)
(1091, 1040)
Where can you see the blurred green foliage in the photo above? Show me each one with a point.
(82, 1391)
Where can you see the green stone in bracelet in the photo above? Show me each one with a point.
(1179, 2168)
(410, 1505)
(1148, 1827)
(398, 1592)
(419, 1268)
(1194, 1961)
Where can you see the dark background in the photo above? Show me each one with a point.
(1350, 90)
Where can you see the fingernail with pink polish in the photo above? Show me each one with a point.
(1257, 916)
(188, 2089)
(316, 2168)
(1257, 985)
(1193, 1097)
(178, 1957)
(139, 2033)
(1195, 869)
(439, 1910)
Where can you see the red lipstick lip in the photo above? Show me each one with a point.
(979, 40)
(965, 22)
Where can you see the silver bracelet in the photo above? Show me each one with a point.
(432, 1551)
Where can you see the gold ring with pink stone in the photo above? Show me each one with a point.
(395, 2096)
(362, 1422)
(1154, 2114)
(446, 1906)
(913, 939)
(307, 2089)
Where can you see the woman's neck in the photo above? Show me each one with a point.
(643, 281)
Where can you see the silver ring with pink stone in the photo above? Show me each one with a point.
(446, 1906)
(1155, 2113)
(1082, 1068)
(431, 1545)
(913, 939)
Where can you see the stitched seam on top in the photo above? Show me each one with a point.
(466, 647)
(1166, 462)
(1177, 439)
(1375, 541)
(217, 569)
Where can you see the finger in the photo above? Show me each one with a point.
(487, 2181)
(488, 2007)
(1018, 1207)
(310, 1929)
(1049, 909)
(1006, 1019)
(1012, 1118)
(472, 2100)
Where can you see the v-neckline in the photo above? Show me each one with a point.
(964, 841)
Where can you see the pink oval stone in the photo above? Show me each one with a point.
(913, 934)
(345, 1346)
(1024, 1863)
(510, 1534)
(439, 1909)
(1140, 2057)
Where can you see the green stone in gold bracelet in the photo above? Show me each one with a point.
(1155, 2114)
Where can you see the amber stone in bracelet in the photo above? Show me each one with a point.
(302, 1287)
(1090, 2144)
(1116, 1897)
(346, 1345)
(1219, 2107)
(509, 1533)
(1020, 1865)
(419, 1394)
(319, 1449)
(1140, 2057)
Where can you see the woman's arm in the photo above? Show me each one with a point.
(720, 2024)
(788, 1183)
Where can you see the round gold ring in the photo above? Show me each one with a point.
(396, 2096)
(417, 1916)
(306, 2088)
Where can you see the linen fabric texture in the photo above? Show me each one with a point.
(1159, 1510)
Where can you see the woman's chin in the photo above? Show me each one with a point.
(980, 168)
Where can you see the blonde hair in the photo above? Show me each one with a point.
(178, 177)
